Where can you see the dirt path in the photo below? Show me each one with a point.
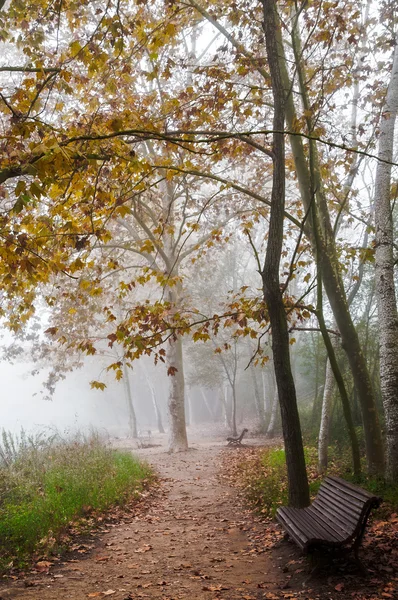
(193, 542)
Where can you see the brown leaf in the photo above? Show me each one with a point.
(145, 548)
(43, 565)
(339, 587)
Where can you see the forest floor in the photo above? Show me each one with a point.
(189, 539)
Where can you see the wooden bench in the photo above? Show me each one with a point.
(236, 441)
(336, 519)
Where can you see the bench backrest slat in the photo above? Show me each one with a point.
(345, 499)
(344, 511)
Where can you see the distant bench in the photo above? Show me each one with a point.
(336, 518)
(236, 441)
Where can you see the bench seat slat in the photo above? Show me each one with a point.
(308, 526)
(338, 528)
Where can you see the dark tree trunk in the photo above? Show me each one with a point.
(297, 475)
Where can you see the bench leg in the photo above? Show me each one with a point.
(361, 567)
(316, 568)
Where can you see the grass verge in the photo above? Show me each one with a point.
(262, 477)
(48, 483)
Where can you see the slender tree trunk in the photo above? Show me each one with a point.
(155, 405)
(208, 405)
(356, 459)
(385, 287)
(224, 401)
(188, 409)
(158, 415)
(274, 412)
(323, 440)
(129, 398)
(233, 410)
(259, 401)
(265, 391)
(316, 403)
(297, 475)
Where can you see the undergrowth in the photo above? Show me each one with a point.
(46, 483)
(262, 476)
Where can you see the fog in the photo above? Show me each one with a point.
(76, 407)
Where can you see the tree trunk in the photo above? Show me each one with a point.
(188, 409)
(265, 391)
(224, 401)
(208, 405)
(297, 475)
(259, 401)
(129, 398)
(385, 287)
(274, 412)
(178, 441)
(233, 410)
(155, 405)
(158, 415)
(323, 440)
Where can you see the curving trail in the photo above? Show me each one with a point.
(193, 541)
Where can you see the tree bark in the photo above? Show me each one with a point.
(323, 440)
(297, 475)
(385, 287)
(259, 401)
(274, 412)
(224, 401)
(129, 398)
(178, 441)
(233, 410)
(158, 415)
(208, 405)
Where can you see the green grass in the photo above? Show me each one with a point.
(264, 479)
(45, 486)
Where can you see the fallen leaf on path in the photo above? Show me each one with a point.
(109, 592)
(339, 587)
(214, 588)
(94, 594)
(145, 548)
(102, 558)
(43, 565)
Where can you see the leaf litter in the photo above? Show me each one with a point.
(194, 538)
